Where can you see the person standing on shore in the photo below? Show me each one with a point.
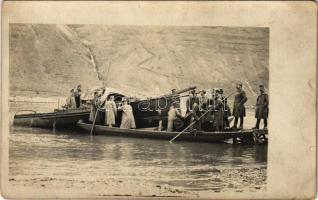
(239, 108)
(110, 112)
(261, 111)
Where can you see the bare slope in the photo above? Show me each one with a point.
(146, 58)
(47, 59)
(137, 58)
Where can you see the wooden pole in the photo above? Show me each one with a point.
(91, 133)
(188, 127)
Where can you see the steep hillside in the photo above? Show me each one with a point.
(138, 60)
(47, 60)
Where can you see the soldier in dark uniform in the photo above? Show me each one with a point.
(218, 112)
(239, 108)
(190, 101)
(78, 93)
(196, 115)
(261, 111)
(226, 108)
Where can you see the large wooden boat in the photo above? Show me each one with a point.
(146, 111)
(58, 118)
(198, 136)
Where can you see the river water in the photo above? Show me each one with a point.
(112, 166)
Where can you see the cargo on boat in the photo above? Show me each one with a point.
(245, 136)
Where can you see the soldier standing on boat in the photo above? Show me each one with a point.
(218, 111)
(203, 100)
(261, 111)
(77, 95)
(95, 106)
(196, 114)
(189, 102)
(173, 114)
(70, 101)
(127, 119)
(226, 109)
(239, 108)
(110, 111)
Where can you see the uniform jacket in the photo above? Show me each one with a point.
(239, 101)
(261, 111)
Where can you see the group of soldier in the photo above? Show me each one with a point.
(74, 99)
(213, 113)
(203, 112)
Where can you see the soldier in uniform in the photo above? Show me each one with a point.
(77, 94)
(173, 114)
(218, 111)
(261, 111)
(190, 101)
(196, 115)
(203, 100)
(239, 108)
(70, 101)
(110, 112)
(226, 108)
(95, 106)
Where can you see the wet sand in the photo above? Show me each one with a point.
(232, 180)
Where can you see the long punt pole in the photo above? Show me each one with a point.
(188, 127)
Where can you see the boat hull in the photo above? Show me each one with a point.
(67, 119)
(210, 137)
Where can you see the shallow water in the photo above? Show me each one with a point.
(40, 160)
(71, 160)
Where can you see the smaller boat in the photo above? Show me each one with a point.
(58, 118)
(63, 118)
(245, 136)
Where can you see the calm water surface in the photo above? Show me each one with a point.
(40, 153)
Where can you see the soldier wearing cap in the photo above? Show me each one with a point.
(190, 101)
(196, 116)
(239, 108)
(226, 108)
(261, 111)
(203, 100)
(218, 111)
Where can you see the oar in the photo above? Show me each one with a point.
(188, 127)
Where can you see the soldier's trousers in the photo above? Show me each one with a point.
(241, 121)
(258, 121)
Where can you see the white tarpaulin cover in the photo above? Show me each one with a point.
(89, 95)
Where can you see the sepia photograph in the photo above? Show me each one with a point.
(158, 100)
(139, 110)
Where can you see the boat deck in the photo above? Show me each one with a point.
(198, 136)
